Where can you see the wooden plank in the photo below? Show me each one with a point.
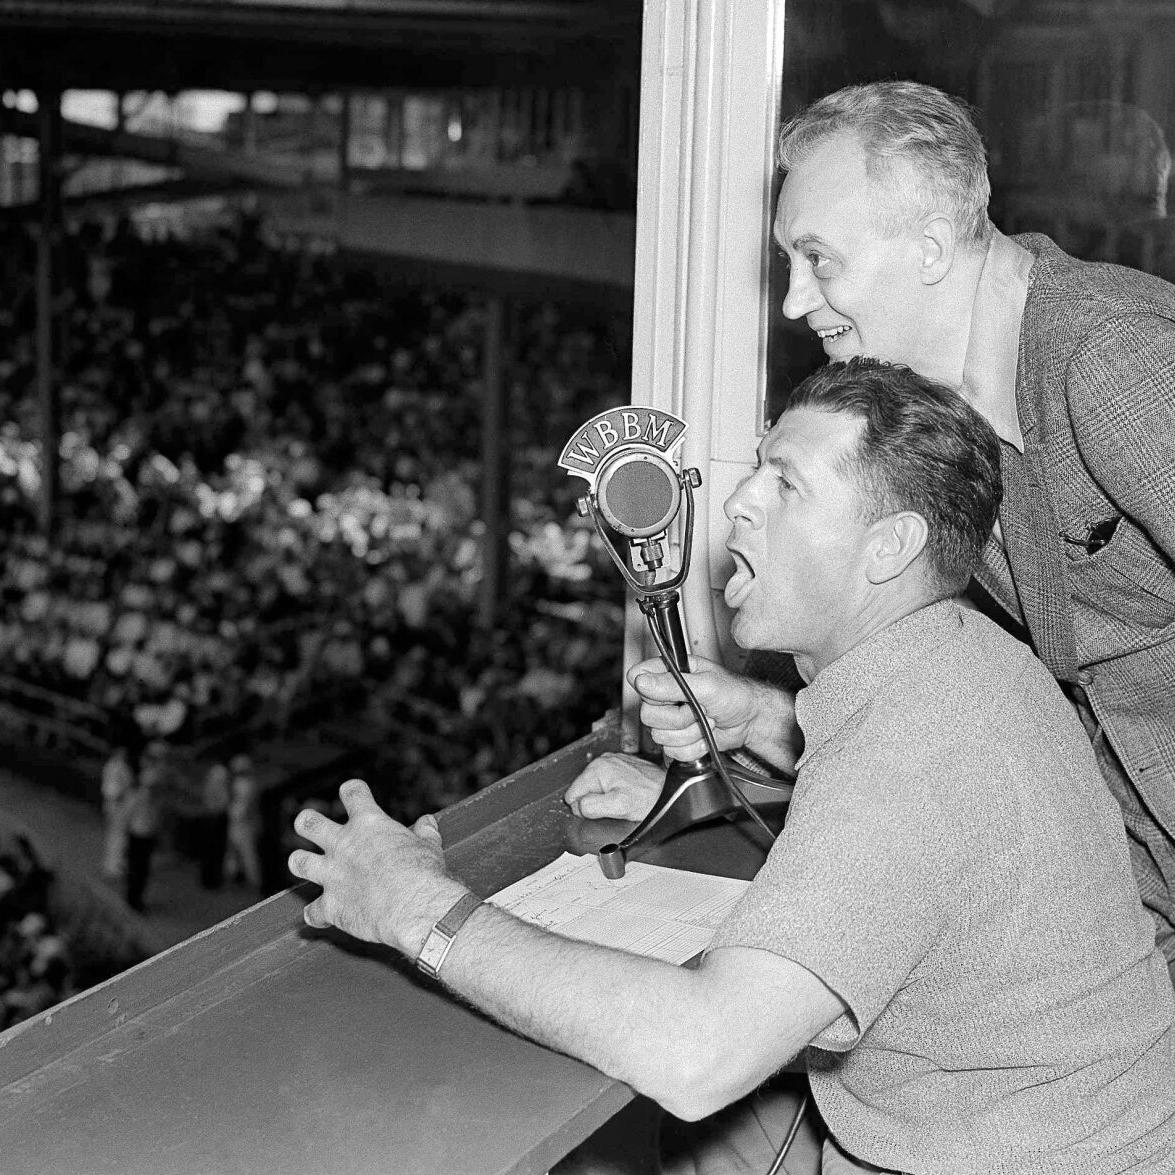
(305, 1057)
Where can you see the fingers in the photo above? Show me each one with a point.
(613, 805)
(656, 687)
(312, 915)
(308, 866)
(357, 798)
(660, 718)
(616, 786)
(316, 827)
(653, 665)
(428, 830)
(659, 676)
(592, 779)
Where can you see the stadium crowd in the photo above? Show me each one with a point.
(268, 510)
(35, 966)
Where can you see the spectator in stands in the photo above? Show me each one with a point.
(145, 809)
(118, 781)
(214, 818)
(244, 824)
(34, 961)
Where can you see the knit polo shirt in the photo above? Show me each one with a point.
(954, 868)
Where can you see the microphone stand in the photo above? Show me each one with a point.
(698, 789)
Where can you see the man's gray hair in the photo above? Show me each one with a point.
(922, 148)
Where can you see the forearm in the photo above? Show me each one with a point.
(621, 1013)
(661, 1029)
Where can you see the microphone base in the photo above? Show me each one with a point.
(692, 793)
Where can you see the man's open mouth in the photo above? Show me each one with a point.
(740, 583)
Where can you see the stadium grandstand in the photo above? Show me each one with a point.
(300, 301)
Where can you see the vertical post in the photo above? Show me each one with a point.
(392, 132)
(345, 144)
(495, 463)
(494, 123)
(711, 74)
(120, 169)
(6, 185)
(249, 125)
(48, 241)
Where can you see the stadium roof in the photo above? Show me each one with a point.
(311, 44)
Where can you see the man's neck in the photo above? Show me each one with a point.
(942, 351)
(879, 612)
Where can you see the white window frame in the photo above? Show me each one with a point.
(711, 75)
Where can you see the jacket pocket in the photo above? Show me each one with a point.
(1128, 578)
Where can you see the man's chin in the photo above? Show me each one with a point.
(743, 632)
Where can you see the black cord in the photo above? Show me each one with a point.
(704, 723)
(794, 1129)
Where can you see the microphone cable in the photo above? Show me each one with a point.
(793, 1130)
(707, 731)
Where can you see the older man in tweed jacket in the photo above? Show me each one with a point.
(1089, 529)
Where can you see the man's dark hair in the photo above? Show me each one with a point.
(923, 448)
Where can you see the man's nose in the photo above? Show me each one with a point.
(741, 506)
(803, 294)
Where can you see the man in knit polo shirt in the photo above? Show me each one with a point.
(949, 919)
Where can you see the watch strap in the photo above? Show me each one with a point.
(440, 937)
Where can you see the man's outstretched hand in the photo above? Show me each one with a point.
(381, 881)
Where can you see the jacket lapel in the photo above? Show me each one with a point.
(1032, 538)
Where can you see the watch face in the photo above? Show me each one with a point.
(432, 954)
(441, 936)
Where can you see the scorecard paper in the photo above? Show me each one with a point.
(668, 914)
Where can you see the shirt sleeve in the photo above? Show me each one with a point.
(1121, 391)
(862, 881)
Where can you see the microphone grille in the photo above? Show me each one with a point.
(639, 496)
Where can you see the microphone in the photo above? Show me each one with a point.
(628, 456)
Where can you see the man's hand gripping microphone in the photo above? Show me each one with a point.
(628, 458)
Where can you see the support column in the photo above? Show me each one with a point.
(345, 144)
(249, 125)
(49, 236)
(711, 75)
(393, 128)
(495, 463)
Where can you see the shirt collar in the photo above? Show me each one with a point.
(843, 689)
(993, 345)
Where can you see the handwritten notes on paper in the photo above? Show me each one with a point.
(668, 914)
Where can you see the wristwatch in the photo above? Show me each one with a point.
(440, 937)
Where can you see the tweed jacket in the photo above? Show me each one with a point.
(1095, 396)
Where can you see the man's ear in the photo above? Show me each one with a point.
(896, 541)
(937, 244)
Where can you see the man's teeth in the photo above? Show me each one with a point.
(832, 331)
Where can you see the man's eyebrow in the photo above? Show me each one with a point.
(806, 239)
(784, 464)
